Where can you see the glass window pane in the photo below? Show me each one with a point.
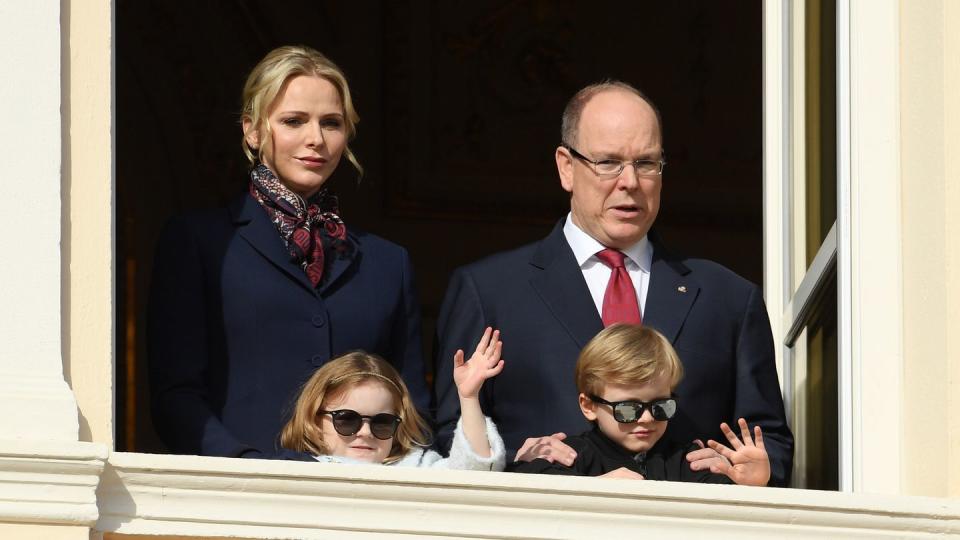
(820, 18)
(816, 411)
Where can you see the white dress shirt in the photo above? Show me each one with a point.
(638, 259)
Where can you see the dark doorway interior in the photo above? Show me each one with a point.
(460, 108)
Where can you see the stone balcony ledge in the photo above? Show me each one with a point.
(189, 495)
(119, 494)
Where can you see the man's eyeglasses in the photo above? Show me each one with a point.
(611, 168)
(628, 412)
(347, 422)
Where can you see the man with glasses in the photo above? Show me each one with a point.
(598, 267)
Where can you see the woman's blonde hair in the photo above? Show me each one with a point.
(303, 434)
(626, 354)
(266, 81)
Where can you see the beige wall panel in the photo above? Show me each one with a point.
(924, 242)
(21, 531)
(951, 56)
(88, 213)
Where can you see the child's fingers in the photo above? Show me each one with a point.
(495, 370)
(494, 356)
(484, 341)
(745, 432)
(458, 358)
(730, 435)
(721, 449)
(758, 437)
(727, 455)
(719, 466)
(492, 345)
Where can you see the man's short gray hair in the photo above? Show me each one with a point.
(571, 113)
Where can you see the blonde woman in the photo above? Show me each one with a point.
(247, 301)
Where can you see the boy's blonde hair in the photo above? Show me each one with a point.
(266, 80)
(303, 434)
(626, 354)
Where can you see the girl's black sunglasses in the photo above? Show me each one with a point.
(348, 422)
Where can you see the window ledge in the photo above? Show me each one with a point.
(190, 495)
(50, 482)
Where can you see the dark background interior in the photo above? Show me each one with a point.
(460, 107)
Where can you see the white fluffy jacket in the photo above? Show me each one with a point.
(462, 455)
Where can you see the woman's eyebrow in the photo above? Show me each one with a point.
(305, 113)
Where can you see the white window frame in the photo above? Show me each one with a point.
(784, 181)
(872, 210)
(867, 230)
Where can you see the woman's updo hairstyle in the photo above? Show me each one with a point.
(267, 79)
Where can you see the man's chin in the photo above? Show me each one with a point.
(624, 235)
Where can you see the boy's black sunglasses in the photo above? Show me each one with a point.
(348, 422)
(628, 412)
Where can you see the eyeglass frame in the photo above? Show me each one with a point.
(623, 164)
(394, 421)
(644, 406)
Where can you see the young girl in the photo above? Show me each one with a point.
(356, 409)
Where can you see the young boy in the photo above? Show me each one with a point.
(625, 376)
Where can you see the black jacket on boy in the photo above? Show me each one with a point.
(597, 455)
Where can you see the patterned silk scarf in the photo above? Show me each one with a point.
(311, 230)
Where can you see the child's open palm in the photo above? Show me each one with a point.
(484, 363)
(749, 464)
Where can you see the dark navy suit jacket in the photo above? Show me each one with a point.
(536, 295)
(235, 328)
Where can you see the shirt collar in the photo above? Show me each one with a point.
(586, 247)
(610, 448)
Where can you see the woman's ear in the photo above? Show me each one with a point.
(588, 407)
(251, 135)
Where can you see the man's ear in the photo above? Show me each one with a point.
(564, 168)
(588, 407)
(252, 136)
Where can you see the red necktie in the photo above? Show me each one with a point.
(620, 299)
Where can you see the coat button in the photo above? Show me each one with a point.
(318, 360)
(319, 320)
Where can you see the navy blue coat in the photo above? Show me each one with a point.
(235, 328)
(537, 297)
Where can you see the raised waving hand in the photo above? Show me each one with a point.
(484, 363)
(469, 376)
(749, 464)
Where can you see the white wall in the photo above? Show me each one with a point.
(36, 401)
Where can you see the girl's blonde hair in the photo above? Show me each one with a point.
(266, 81)
(303, 434)
(626, 354)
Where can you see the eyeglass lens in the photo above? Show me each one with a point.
(611, 168)
(631, 411)
(614, 168)
(347, 422)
